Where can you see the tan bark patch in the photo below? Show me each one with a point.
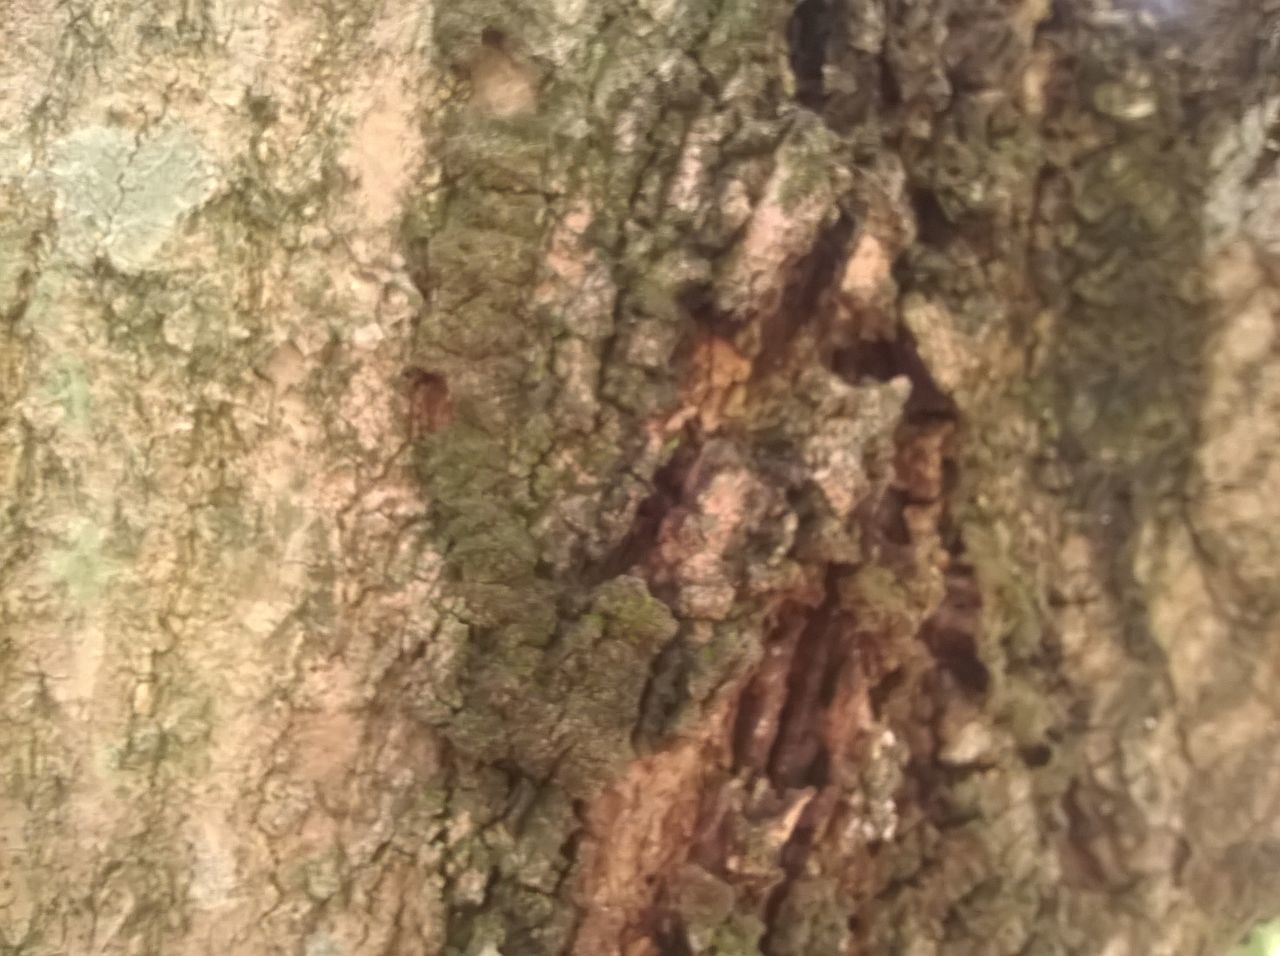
(384, 149)
(501, 85)
(640, 828)
(715, 385)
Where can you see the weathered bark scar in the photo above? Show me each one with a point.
(743, 469)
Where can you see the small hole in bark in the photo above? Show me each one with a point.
(819, 771)
(1037, 755)
(965, 667)
(262, 109)
(493, 37)
(430, 407)
(875, 360)
(934, 225)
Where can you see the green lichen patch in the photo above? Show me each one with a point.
(123, 198)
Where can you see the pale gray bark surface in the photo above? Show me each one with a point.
(641, 478)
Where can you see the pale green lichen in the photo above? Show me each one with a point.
(739, 935)
(1263, 940)
(122, 196)
(70, 388)
(82, 564)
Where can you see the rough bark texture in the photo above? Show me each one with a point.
(520, 477)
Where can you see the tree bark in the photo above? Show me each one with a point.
(652, 478)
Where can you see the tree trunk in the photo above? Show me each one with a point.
(519, 477)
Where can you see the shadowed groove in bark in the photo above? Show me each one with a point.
(809, 279)
(807, 35)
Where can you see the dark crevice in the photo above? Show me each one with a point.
(671, 937)
(418, 264)
(799, 757)
(877, 360)
(884, 689)
(1083, 865)
(807, 34)
(664, 696)
(757, 703)
(698, 301)
(811, 277)
(934, 226)
(886, 359)
(636, 545)
(890, 90)
(951, 634)
(890, 522)
(793, 857)
(750, 712)
(957, 655)
(1036, 755)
